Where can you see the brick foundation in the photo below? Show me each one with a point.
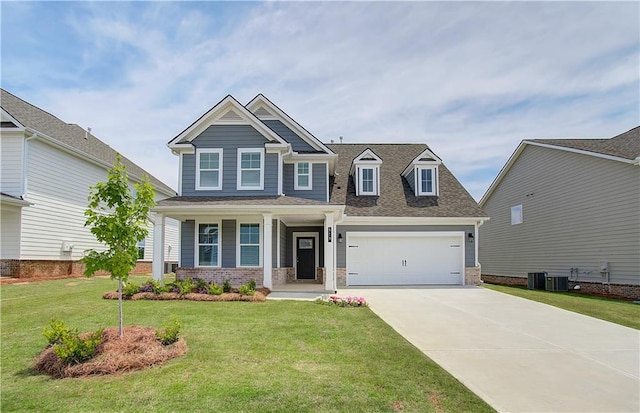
(625, 291)
(56, 268)
(341, 277)
(237, 276)
(472, 276)
(281, 276)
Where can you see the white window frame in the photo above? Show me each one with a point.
(434, 179)
(517, 215)
(198, 170)
(239, 245)
(197, 243)
(376, 180)
(296, 184)
(239, 186)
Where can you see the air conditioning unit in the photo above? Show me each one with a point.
(536, 280)
(170, 267)
(557, 283)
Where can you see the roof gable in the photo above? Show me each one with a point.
(264, 109)
(426, 157)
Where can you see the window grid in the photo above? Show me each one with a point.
(249, 245)
(209, 169)
(208, 245)
(303, 175)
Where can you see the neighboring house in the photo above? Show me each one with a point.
(47, 167)
(567, 207)
(261, 198)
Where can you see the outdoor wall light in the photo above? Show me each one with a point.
(470, 237)
(339, 237)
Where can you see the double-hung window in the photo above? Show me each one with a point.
(209, 169)
(250, 169)
(367, 180)
(426, 181)
(208, 245)
(249, 245)
(302, 176)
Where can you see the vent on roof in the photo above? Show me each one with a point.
(262, 112)
(7, 124)
(231, 115)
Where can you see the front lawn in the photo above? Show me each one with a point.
(621, 312)
(268, 357)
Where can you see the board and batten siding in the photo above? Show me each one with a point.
(319, 187)
(11, 168)
(578, 210)
(341, 250)
(229, 138)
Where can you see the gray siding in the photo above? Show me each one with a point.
(411, 180)
(341, 258)
(578, 210)
(297, 143)
(274, 243)
(284, 247)
(289, 242)
(318, 191)
(229, 138)
(187, 243)
(229, 243)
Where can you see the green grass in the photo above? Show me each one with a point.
(268, 357)
(621, 312)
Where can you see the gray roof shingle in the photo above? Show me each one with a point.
(71, 135)
(396, 197)
(626, 145)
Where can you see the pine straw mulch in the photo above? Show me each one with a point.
(137, 349)
(260, 295)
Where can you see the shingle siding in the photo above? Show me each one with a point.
(578, 210)
(318, 191)
(229, 138)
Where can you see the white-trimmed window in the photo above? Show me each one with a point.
(367, 180)
(250, 169)
(249, 244)
(302, 180)
(426, 181)
(209, 169)
(208, 252)
(516, 215)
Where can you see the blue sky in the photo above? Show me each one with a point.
(470, 79)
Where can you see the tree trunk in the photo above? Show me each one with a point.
(120, 305)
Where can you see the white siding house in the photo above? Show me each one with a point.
(47, 169)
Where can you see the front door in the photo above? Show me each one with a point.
(306, 258)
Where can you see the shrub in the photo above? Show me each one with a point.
(150, 286)
(214, 289)
(246, 289)
(252, 284)
(57, 332)
(73, 349)
(226, 286)
(130, 289)
(169, 334)
(201, 286)
(185, 287)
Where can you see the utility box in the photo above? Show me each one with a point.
(557, 283)
(536, 280)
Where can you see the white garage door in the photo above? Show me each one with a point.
(397, 258)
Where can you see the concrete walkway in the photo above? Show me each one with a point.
(518, 355)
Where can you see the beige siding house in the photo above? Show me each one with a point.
(47, 167)
(567, 207)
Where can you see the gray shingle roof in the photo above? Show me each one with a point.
(396, 197)
(72, 135)
(237, 200)
(625, 145)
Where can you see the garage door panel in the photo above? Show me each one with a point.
(404, 258)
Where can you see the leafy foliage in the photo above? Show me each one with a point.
(169, 334)
(246, 289)
(130, 289)
(186, 286)
(226, 286)
(252, 284)
(57, 331)
(73, 349)
(214, 289)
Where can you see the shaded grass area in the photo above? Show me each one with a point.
(269, 357)
(621, 312)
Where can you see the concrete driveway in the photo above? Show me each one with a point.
(518, 355)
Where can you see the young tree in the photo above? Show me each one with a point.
(117, 219)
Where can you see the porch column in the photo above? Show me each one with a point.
(267, 249)
(157, 265)
(329, 242)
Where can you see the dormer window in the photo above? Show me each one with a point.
(422, 174)
(209, 169)
(366, 173)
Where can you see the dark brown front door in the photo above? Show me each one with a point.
(306, 256)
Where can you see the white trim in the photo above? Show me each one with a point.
(180, 163)
(196, 255)
(359, 220)
(517, 214)
(259, 221)
(242, 151)
(8, 200)
(278, 242)
(296, 185)
(434, 179)
(376, 180)
(367, 153)
(6, 117)
(297, 235)
(198, 170)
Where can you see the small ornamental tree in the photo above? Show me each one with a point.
(117, 219)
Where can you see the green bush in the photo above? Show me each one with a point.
(185, 287)
(150, 286)
(213, 289)
(201, 286)
(246, 289)
(169, 334)
(226, 286)
(130, 289)
(57, 332)
(252, 284)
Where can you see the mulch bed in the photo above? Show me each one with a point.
(137, 349)
(259, 296)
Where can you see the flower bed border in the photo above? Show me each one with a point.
(259, 296)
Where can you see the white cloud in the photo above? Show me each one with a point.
(469, 79)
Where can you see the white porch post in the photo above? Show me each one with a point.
(329, 242)
(157, 265)
(267, 250)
